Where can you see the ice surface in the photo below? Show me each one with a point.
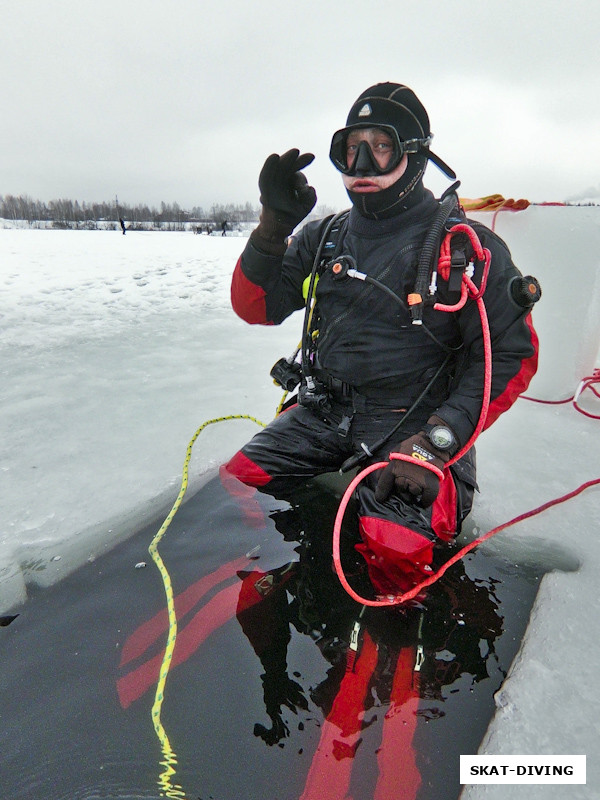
(561, 247)
(115, 349)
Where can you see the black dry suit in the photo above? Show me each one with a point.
(374, 363)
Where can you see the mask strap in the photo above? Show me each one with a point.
(441, 165)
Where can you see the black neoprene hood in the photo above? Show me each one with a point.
(397, 106)
(391, 104)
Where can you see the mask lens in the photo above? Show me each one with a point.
(337, 151)
(359, 157)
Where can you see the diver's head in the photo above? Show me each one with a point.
(382, 151)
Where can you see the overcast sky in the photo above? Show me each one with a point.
(183, 100)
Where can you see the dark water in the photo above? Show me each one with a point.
(261, 660)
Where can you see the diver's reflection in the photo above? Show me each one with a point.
(388, 658)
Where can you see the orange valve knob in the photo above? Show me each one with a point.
(340, 267)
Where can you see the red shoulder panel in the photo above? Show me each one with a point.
(248, 299)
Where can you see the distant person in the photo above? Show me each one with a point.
(123, 228)
(224, 227)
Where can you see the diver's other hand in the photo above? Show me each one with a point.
(284, 189)
(410, 479)
(286, 198)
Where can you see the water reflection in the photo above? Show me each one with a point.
(280, 685)
(382, 663)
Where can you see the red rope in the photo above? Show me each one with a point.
(337, 527)
(586, 383)
(468, 287)
(547, 402)
(487, 378)
(412, 593)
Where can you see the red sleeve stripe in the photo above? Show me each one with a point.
(248, 299)
(519, 383)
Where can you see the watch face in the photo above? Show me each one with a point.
(442, 438)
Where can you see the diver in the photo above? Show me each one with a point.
(374, 379)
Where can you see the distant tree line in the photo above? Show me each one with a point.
(71, 213)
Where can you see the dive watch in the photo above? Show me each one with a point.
(441, 437)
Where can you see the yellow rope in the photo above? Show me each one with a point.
(169, 762)
(281, 402)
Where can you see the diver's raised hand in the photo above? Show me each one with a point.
(286, 198)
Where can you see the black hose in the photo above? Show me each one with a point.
(430, 250)
(359, 458)
(446, 348)
(306, 344)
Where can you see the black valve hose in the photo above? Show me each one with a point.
(430, 249)
(370, 450)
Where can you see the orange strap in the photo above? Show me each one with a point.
(493, 202)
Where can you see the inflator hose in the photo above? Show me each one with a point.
(430, 248)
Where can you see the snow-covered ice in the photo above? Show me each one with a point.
(115, 349)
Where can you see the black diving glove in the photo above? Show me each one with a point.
(286, 199)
